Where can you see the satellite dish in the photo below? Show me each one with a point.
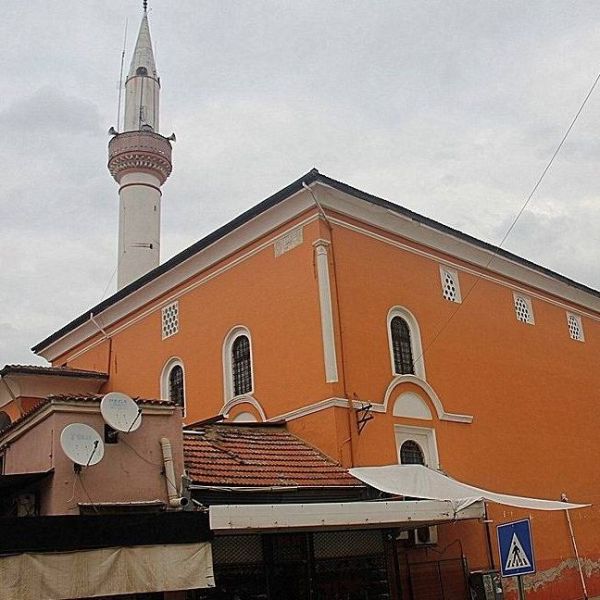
(82, 444)
(121, 412)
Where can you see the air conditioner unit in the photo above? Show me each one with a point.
(425, 536)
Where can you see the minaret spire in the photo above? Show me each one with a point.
(140, 161)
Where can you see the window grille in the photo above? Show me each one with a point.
(241, 366)
(523, 309)
(411, 453)
(402, 348)
(450, 286)
(170, 320)
(575, 327)
(176, 393)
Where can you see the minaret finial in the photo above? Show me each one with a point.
(145, 6)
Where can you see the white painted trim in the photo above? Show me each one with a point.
(310, 409)
(525, 298)
(424, 437)
(455, 280)
(164, 380)
(435, 400)
(415, 339)
(327, 331)
(234, 333)
(573, 297)
(410, 513)
(203, 260)
(572, 315)
(245, 399)
(411, 406)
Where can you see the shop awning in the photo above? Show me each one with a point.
(337, 515)
(417, 481)
(106, 571)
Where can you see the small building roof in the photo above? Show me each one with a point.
(253, 456)
(53, 371)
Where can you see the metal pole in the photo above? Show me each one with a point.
(521, 587)
(486, 520)
(564, 498)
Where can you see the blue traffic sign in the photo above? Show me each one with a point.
(516, 548)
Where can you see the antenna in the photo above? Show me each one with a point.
(82, 444)
(121, 78)
(145, 6)
(121, 412)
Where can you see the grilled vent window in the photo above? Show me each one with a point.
(575, 327)
(403, 358)
(450, 287)
(411, 454)
(523, 309)
(241, 365)
(170, 320)
(176, 393)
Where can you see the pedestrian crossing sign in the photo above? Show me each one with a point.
(516, 548)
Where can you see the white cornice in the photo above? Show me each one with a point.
(386, 220)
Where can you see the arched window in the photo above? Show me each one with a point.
(241, 365)
(411, 453)
(176, 392)
(172, 383)
(404, 338)
(401, 347)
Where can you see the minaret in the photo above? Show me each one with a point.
(139, 159)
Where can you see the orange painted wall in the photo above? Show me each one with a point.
(530, 389)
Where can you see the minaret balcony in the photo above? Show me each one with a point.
(139, 151)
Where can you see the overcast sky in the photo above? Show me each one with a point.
(451, 109)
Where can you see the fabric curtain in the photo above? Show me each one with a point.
(106, 571)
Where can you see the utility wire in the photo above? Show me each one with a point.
(517, 217)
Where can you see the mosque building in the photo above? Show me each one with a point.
(336, 398)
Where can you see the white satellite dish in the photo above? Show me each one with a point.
(82, 444)
(121, 412)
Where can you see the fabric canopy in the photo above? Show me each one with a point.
(106, 571)
(417, 481)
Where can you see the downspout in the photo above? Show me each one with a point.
(563, 498)
(106, 337)
(175, 500)
(339, 323)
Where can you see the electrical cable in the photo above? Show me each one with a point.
(516, 219)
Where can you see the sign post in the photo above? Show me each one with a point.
(516, 551)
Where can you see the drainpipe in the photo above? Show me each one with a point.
(175, 500)
(564, 498)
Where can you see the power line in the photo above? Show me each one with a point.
(517, 217)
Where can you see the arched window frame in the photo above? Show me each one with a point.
(415, 340)
(165, 380)
(423, 436)
(230, 338)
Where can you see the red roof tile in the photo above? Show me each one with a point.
(66, 398)
(235, 455)
(43, 370)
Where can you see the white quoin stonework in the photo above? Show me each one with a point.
(140, 161)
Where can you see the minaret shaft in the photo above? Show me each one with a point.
(140, 161)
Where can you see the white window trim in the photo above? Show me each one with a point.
(424, 436)
(231, 336)
(174, 361)
(571, 315)
(527, 299)
(454, 274)
(415, 339)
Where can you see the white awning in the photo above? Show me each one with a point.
(417, 481)
(106, 571)
(337, 515)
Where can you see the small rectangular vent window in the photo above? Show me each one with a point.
(450, 285)
(523, 309)
(170, 320)
(575, 327)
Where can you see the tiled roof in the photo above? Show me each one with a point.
(65, 398)
(42, 370)
(236, 455)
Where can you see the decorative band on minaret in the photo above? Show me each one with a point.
(139, 159)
